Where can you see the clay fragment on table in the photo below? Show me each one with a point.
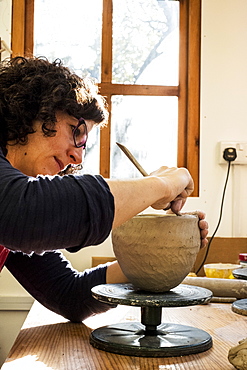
(237, 355)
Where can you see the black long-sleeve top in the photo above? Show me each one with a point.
(40, 215)
(49, 213)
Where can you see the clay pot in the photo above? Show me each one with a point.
(156, 252)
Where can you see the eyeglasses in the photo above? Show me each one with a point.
(80, 134)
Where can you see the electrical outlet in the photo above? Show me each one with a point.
(241, 148)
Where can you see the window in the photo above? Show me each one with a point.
(152, 88)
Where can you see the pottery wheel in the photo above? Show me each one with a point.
(240, 307)
(151, 338)
(240, 273)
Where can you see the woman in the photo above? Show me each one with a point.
(46, 114)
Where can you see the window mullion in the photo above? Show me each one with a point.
(193, 127)
(22, 27)
(183, 85)
(106, 58)
(18, 27)
(189, 89)
(106, 78)
(29, 27)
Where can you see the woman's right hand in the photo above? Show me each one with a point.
(178, 185)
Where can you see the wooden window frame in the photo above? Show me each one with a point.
(188, 90)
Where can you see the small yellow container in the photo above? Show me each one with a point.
(220, 270)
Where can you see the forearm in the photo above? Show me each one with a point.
(114, 274)
(134, 196)
(166, 187)
(52, 281)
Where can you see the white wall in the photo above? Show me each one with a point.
(223, 118)
(223, 112)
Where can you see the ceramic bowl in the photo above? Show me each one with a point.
(156, 251)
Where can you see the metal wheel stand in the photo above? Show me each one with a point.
(150, 337)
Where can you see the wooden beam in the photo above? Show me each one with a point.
(183, 85)
(29, 28)
(125, 89)
(106, 78)
(189, 88)
(18, 27)
(106, 56)
(105, 146)
(193, 127)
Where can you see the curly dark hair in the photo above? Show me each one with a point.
(35, 89)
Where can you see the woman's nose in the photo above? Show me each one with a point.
(75, 155)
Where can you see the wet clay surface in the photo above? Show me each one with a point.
(156, 252)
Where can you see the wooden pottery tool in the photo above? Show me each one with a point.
(132, 159)
(137, 164)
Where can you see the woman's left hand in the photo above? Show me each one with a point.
(203, 225)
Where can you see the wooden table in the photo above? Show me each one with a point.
(48, 341)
